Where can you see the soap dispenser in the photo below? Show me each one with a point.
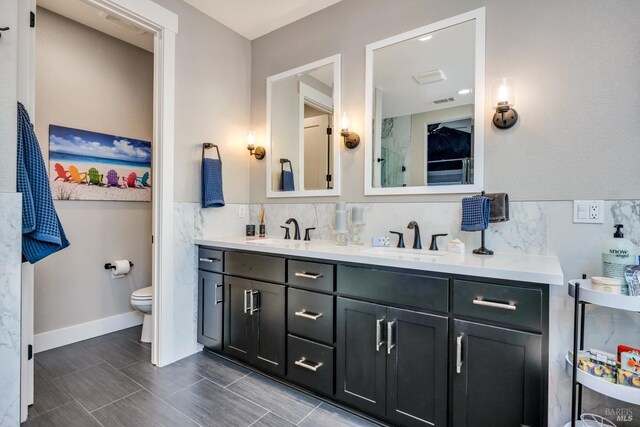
(617, 253)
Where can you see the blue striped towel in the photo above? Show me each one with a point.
(475, 213)
(42, 233)
(212, 194)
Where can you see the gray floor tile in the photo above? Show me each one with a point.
(214, 368)
(328, 415)
(161, 381)
(133, 334)
(121, 352)
(69, 415)
(272, 420)
(46, 394)
(141, 409)
(277, 398)
(98, 385)
(67, 359)
(211, 405)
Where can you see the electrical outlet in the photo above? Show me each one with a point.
(242, 211)
(588, 211)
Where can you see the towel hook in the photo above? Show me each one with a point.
(4, 29)
(208, 145)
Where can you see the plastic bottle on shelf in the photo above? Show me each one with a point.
(617, 253)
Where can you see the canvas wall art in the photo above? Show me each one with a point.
(86, 165)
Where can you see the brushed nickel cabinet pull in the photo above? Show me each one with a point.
(253, 308)
(390, 345)
(216, 294)
(459, 354)
(505, 306)
(379, 343)
(306, 275)
(210, 260)
(245, 292)
(308, 315)
(303, 363)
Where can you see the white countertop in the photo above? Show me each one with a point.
(525, 268)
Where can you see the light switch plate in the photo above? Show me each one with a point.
(242, 211)
(588, 211)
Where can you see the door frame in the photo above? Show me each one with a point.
(164, 25)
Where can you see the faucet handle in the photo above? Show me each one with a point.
(434, 243)
(306, 233)
(286, 233)
(400, 238)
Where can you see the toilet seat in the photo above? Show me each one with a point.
(143, 294)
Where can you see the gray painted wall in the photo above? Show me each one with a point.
(213, 66)
(577, 134)
(88, 80)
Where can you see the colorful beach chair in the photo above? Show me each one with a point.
(77, 177)
(95, 177)
(144, 180)
(112, 179)
(62, 174)
(130, 181)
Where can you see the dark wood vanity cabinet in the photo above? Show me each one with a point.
(210, 309)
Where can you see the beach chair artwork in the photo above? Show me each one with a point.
(85, 165)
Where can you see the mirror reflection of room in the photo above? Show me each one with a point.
(423, 93)
(302, 113)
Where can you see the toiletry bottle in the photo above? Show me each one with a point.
(617, 253)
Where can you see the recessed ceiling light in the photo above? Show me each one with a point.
(425, 38)
(464, 91)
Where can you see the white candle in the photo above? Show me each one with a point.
(356, 215)
(341, 221)
(341, 206)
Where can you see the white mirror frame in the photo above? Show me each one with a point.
(479, 92)
(335, 191)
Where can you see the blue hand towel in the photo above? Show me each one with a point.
(42, 232)
(475, 213)
(212, 195)
(286, 181)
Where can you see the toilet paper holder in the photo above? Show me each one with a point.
(109, 266)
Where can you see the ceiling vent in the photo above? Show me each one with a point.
(430, 77)
(123, 24)
(443, 100)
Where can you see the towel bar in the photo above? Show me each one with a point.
(208, 145)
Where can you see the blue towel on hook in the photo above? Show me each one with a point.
(286, 181)
(475, 213)
(42, 233)
(212, 195)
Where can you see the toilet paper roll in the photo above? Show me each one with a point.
(122, 267)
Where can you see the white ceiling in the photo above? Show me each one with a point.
(86, 14)
(255, 18)
(451, 50)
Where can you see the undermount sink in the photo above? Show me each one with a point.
(404, 251)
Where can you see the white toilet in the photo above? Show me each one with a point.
(141, 300)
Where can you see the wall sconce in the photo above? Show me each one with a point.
(257, 152)
(504, 98)
(351, 139)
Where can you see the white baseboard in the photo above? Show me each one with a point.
(83, 331)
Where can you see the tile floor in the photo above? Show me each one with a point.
(108, 381)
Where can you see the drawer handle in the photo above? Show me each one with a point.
(209, 259)
(379, 343)
(510, 306)
(303, 363)
(306, 275)
(459, 354)
(308, 315)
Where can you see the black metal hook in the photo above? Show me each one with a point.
(4, 29)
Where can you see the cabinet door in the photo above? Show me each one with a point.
(499, 382)
(360, 348)
(416, 347)
(210, 300)
(237, 337)
(268, 313)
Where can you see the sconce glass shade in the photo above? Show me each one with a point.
(504, 92)
(345, 122)
(250, 139)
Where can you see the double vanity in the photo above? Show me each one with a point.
(412, 338)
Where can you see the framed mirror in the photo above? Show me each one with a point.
(425, 100)
(303, 108)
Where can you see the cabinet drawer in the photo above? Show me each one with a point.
(260, 267)
(310, 315)
(423, 292)
(311, 275)
(210, 260)
(310, 364)
(508, 305)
